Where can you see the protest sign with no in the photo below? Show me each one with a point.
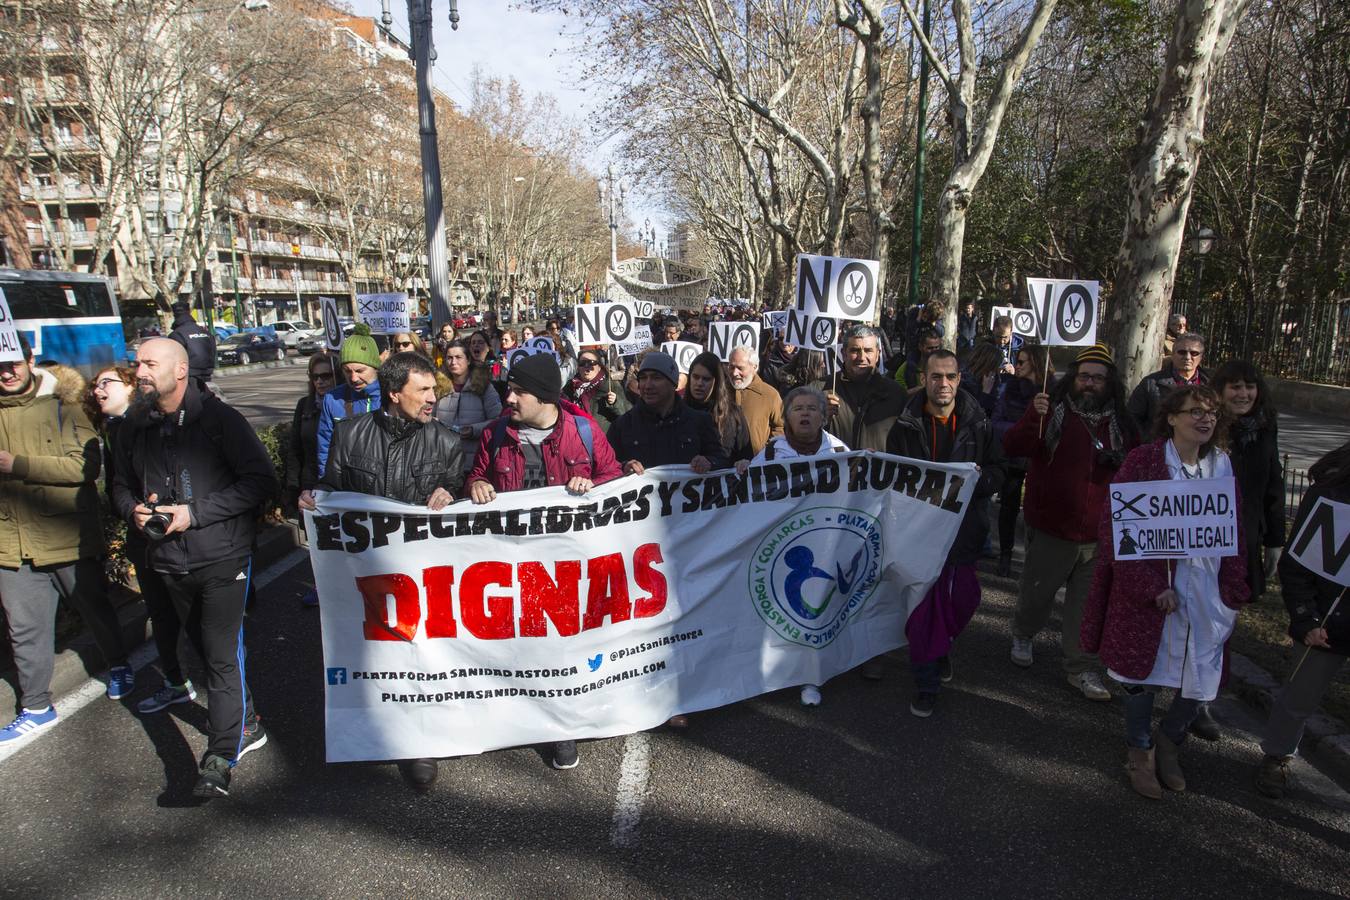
(683, 352)
(1174, 519)
(10, 351)
(332, 324)
(775, 320)
(812, 332)
(1066, 311)
(384, 313)
(1023, 320)
(838, 287)
(723, 337)
(604, 323)
(1322, 542)
(525, 350)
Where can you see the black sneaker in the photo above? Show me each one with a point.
(254, 737)
(213, 779)
(565, 755)
(945, 669)
(923, 705)
(419, 773)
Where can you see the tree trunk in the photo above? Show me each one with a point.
(1166, 159)
(13, 225)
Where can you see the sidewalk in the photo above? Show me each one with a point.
(78, 659)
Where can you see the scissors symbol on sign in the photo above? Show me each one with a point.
(1119, 514)
(856, 292)
(1074, 318)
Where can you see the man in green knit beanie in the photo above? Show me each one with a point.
(359, 392)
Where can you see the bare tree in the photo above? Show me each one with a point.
(1165, 162)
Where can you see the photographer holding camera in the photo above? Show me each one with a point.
(190, 474)
(1075, 439)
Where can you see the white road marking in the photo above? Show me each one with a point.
(632, 790)
(142, 656)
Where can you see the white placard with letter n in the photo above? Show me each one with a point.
(604, 323)
(683, 352)
(723, 337)
(332, 324)
(1322, 542)
(838, 287)
(1066, 311)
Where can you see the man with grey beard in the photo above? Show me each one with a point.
(1075, 438)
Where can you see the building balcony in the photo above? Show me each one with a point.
(71, 192)
(78, 239)
(54, 95)
(65, 144)
(284, 248)
(284, 285)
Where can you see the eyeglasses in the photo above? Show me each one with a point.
(1200, 413)
(1188, 352)
(1091, 379)
(102, 383)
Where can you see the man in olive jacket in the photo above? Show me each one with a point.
(49, 526)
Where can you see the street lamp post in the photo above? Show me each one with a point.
(234, 272)
(613, 199)
(1202, 241)
(438, 266)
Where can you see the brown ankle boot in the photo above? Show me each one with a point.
(1169, 765)
(1140, 766)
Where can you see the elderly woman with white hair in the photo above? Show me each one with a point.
(804, 434)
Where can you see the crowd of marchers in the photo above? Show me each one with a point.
(434, 422)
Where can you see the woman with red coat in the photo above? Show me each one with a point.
(1165, 623)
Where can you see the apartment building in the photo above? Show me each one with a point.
(277, 239)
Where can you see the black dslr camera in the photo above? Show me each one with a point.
(157, 526)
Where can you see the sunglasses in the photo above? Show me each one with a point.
(1188, 352)
(587, 364)
(321, 376)
(403, 344)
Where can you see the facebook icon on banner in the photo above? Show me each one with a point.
(337, 676)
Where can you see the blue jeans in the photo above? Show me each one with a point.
(1139, 716)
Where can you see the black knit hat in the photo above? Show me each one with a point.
(538, 375)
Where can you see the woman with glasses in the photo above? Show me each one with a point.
(593, 390)
(471, 404)
(405, 341)
(302, 450)
(1165, 623)
(507, 342)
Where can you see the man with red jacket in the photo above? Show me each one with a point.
(1075, 440)
(537, 443)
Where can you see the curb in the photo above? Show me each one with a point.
(1323, 736)
(79, 660)
(258, 366)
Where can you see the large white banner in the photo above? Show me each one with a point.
(543, 617)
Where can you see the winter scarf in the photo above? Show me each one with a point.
(1054, 429)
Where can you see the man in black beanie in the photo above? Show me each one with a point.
(537, 443)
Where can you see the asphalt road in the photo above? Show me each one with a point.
(1013, 789)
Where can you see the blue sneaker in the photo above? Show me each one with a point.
(28, 723)
(311, 598)
(121, 682)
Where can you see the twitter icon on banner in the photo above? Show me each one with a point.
(594, 661)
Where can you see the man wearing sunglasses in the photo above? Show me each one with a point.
(1182, 367)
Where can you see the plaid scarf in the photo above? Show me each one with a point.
(1054, 429)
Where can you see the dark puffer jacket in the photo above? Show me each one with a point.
(974, 442)
(385, 456)
(1308, 595)
(206, 455)
(670, 440)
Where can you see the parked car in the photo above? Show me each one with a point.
(292, 330)
(249, 346)
(314, 341)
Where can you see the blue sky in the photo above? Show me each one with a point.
(507, 40)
